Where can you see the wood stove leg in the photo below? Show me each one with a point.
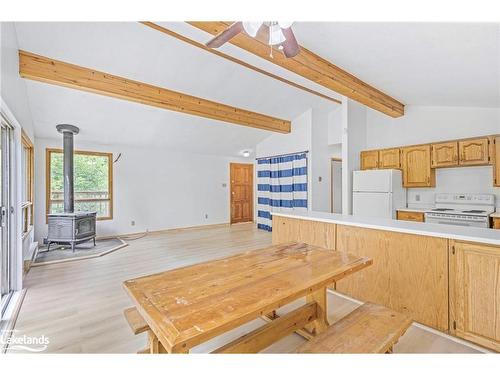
(48, 246)
(94, 241)
(73, 246)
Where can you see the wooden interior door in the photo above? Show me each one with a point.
(241, 192)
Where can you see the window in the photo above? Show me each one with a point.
(93, 179)
(27, 164)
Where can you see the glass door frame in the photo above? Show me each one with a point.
(10, 239)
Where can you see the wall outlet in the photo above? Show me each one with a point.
(224, 185)
(206, 216)
(320, 179)
(132, 223)
(417, 197)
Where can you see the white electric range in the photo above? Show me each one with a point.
(470, 210)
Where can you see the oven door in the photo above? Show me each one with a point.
(479, 222)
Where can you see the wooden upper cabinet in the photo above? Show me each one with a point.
(389, 158)
(369, 159)
(444, 154)
(417, 171)
(496, 161)
(474, 297)
(474, 151)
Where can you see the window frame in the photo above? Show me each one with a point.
(28, 205)
(109, 155)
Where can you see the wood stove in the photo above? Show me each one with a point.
(70, 227)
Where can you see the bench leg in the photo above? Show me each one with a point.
(321, 323)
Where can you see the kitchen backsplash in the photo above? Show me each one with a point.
(478, 180)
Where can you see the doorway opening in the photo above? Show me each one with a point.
(241, 188)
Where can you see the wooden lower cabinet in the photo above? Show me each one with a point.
(409, 272)
(475, 293)
(311, 232)
(496, 223)
(410, 216)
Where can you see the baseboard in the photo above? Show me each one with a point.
(170, 230)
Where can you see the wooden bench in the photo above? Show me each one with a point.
(137, 324)
(368, 329)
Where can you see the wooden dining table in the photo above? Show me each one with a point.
(187, 306)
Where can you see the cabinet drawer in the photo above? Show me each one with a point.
(410, 216)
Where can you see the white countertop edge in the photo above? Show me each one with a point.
(495, 214)
(404, 227)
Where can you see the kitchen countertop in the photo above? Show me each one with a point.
(481, 235)
(495, 214)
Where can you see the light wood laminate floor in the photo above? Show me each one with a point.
(79, 305)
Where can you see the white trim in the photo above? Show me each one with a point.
(424, 327)
(17, 240)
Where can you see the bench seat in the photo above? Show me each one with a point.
(368, 329)
(135, 321)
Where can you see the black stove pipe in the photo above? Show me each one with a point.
(68, 132)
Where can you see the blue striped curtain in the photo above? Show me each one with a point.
(281, 186)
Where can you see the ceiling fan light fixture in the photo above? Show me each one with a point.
(275, 35)
(251, 28)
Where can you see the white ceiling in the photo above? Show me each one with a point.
(138, 52)
(417, 63)
(436, 64)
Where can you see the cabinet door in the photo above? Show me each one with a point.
(496, 223)
(496, 161)
(474, 293)
(417, 171)
(389, 158)
(474, 151)
(369, 159)
(444, 154)
(304, 231)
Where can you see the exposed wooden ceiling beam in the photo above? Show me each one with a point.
(44, 69)
(315, 68)
(235, 60)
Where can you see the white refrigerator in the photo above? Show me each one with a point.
(378, 193)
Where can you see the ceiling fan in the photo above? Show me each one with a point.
(278, 33)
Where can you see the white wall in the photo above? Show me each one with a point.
(335, 126)
(156, 188)
(13, 88)
(354, 124)
(320, 172)
(14, 95)
(430, 124)
(299, 139)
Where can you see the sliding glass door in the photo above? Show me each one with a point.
(6, 258)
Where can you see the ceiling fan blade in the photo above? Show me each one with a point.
(225, 35)
(290, 46)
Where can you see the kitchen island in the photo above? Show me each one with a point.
(443, 276)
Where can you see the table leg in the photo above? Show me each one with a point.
(321, 323)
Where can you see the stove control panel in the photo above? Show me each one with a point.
(481, 199)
